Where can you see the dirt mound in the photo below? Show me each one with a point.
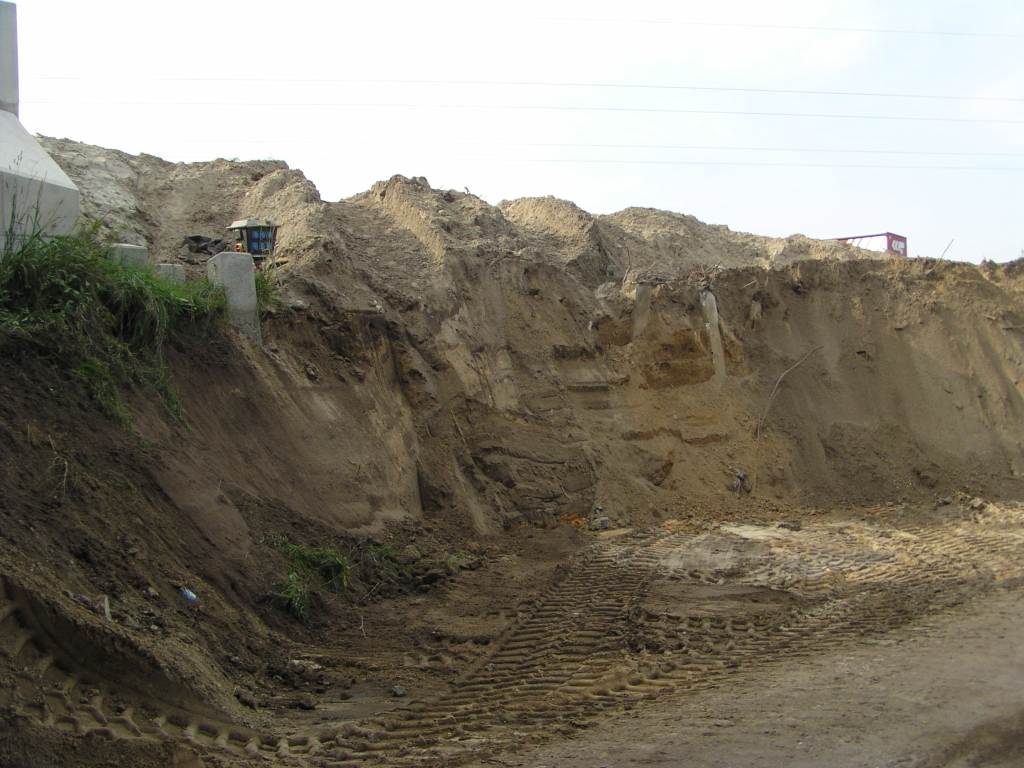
(460, 397)
(672, 242)
(639, 243)
(144, 200)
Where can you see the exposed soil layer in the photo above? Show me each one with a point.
(578, 464)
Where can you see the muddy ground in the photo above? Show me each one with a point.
(586, 470)
(946, 691)
(881, 636)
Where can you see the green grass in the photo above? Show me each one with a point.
(324, 562)
(64, 300)
(294, 594)
(309, 571)
(266, 295)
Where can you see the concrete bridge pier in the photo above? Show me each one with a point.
(36, 196)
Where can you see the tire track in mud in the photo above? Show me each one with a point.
(569, 638)
(516, 687)
(570, 656)
(53, 689)
(581, 648)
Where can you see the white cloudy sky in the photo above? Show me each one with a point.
(916, 123)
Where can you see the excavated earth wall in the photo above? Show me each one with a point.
(528, 361)
(486, 376)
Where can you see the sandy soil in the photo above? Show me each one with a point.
(947, 691)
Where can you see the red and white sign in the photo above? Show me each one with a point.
(896, 243)
(885, 241)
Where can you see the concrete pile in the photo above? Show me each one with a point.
(36, 196)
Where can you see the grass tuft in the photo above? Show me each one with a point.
(266, 293)
(294, 594)
(324, 562)
(105, 323)
(309, 571)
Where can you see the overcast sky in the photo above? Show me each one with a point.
(829, 119)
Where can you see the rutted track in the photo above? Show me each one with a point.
(579, 651)
(58, 690)
(592, 642)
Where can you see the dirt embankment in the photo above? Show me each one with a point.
(467, 380)
(529, 360)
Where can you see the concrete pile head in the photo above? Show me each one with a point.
(36, 196)
(129, 255)
(175, 273)
(234, 271)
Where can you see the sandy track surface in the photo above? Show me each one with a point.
(886, 639)
(946, 691)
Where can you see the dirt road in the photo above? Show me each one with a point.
(946, 691)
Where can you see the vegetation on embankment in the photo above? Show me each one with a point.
(64, 300)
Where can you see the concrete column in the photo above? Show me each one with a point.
(173, 272)
(9, 58)
(36, 196)
(234, 271)
(130, 255)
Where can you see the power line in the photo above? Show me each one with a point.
(534, 107)
(789, 27)
(573, 145)
(754, 165)
(668, 162)
(529, 83)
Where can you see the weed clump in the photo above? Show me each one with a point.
(324, 562)
(294, 594)
(363, 570)
(105, 323)
(266, 295)
(309, 571)
(378, 562)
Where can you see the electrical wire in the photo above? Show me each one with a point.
(573, 145)
(528, 107)
(787, 27)
(656, 162)
(529, 83)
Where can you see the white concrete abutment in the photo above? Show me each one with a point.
(36, 196)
